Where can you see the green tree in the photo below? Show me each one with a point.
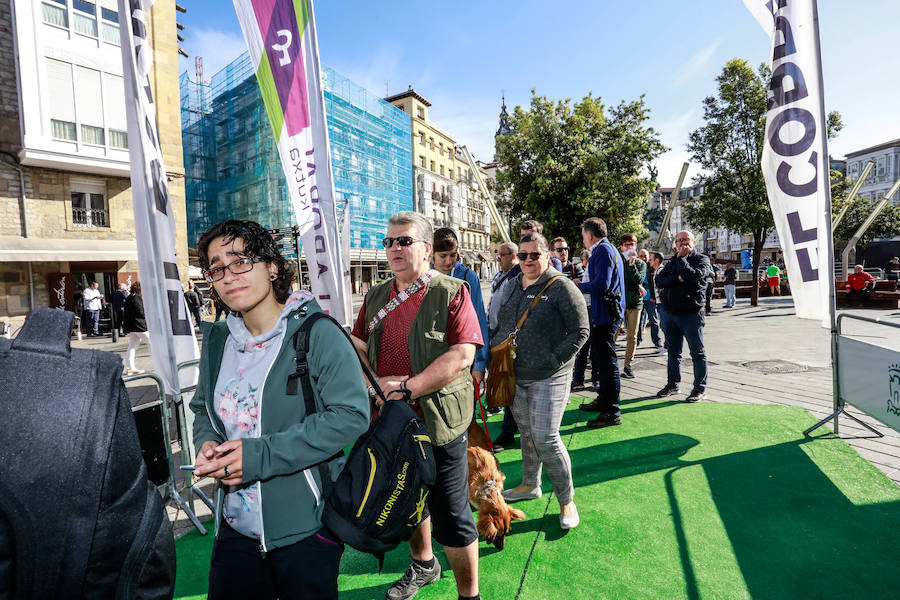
(729, 148)
(886, 224)
(564, 162)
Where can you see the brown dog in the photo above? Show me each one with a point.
(485, 485)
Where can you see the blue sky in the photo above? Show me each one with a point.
(461, 55)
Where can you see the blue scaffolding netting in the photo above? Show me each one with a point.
(232, 168)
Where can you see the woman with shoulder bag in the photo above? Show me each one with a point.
(555, 326)
(253, 431)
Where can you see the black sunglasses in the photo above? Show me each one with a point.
(529, 255)
(562, 249)
(403, 240)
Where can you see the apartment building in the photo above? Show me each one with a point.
(66, 216)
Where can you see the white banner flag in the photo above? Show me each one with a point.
(170, 327)
(795, 159)
(281, 36)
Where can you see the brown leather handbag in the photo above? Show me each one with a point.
(501, 376)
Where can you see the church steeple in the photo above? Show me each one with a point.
(504, 122)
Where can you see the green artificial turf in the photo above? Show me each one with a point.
(707, 500)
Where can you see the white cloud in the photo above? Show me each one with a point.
(218, 48)
(696, 64)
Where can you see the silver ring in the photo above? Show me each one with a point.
(227, 474)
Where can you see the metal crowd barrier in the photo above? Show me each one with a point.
(152, 420)
(867, 376)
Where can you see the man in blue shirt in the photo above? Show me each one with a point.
(606, 278)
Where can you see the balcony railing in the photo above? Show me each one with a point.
(90, 217)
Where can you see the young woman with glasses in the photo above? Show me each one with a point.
(555, 328)
(255, 437)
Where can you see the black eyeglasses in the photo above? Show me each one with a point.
(241, 265)
(403, 240)
(562, 249)
(529, 255)
(503, 253)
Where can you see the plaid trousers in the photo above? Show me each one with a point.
(538, 409)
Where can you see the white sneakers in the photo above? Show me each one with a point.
(132, 372)
(571, 520)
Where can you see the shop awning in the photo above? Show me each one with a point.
(486, 256)
(20, 249)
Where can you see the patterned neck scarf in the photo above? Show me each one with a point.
(400, 298)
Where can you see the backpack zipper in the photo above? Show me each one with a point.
(369, 485)
(262, 526)
(420, 439)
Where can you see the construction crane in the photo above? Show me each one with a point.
(487, 195)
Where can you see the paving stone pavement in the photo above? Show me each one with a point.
(757, 355)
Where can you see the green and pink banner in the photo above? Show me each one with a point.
(281, 37)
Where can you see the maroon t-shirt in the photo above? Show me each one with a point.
(393, 355)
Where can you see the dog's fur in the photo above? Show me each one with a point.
(494, 515)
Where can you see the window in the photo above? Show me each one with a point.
(442, 170)
(55, 13)
(432, 165)
(89, 205)
(420, 112)
(421, 139)
(431, 145)
(441, 146)
(880, 171)
(84, 18)
(110, 25)
(422, 161)
(449, 153)
(62, 99)
(89, 105)
(854, 171)
(114, 104)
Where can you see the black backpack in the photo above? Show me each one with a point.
(378, 500)
(78, 516)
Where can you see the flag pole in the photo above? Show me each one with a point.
(829, 236)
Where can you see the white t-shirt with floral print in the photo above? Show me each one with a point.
(246, 361)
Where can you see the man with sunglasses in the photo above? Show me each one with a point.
(682, 284)
(420, 333)
(573, 271)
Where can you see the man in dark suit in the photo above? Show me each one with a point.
(606, 277)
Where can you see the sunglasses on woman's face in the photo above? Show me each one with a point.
(529, 255)
(403, 240)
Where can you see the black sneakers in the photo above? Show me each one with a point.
(695, 396)
(415, 578)
(604, 420)
(668, 390)
(627, 373)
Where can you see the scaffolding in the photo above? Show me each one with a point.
(232, 167)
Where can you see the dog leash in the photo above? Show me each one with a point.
(483, 417)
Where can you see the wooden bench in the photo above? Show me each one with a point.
(885, 295)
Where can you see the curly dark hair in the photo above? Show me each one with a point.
(257, 243)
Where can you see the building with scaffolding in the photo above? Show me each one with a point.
(232, 168)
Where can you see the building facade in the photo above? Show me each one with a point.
(445, 188)
(65, 197)
(886, 157)
(232, 167)
(720, 244)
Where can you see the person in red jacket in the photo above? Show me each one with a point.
(859, 284)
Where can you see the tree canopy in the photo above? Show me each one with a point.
(562, 163)
(729, 148)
